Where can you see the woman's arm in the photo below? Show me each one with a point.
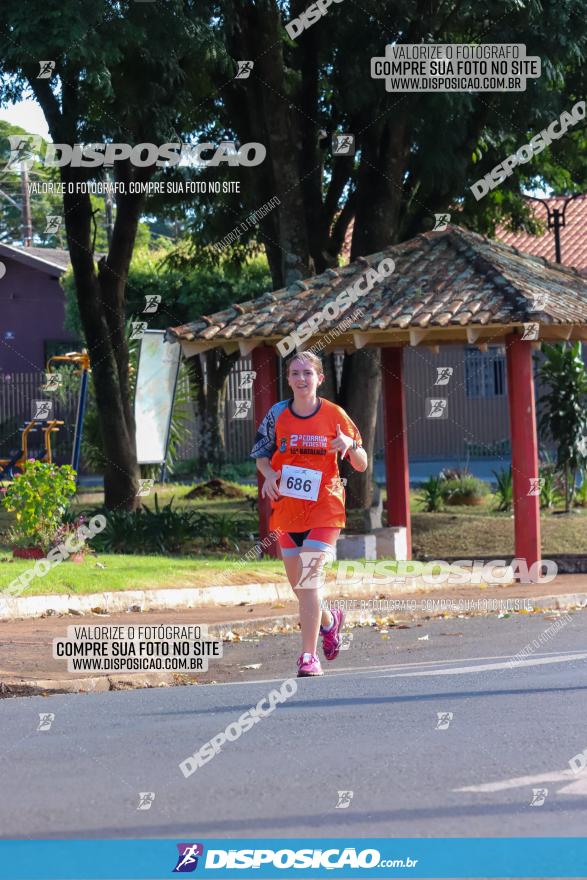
(358, 458)
(269, 488)
(347, 446)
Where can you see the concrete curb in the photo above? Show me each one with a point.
(358, 616)
(567, 563)
(91, 684)
(23, 607)
(244, 627)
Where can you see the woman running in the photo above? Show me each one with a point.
(296, 449)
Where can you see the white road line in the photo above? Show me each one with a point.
(413, 663)
(514, 664)
(577, 782)
(375, 671)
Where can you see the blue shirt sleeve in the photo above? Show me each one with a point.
(265, 440)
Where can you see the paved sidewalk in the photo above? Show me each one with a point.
(27, 665)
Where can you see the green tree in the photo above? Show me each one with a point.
(188, 292)
(11, 196)
(44, 204)
(564, 410)
(185, 293)
(416, 154)
(124, 72)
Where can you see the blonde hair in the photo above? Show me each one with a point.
(308, 356)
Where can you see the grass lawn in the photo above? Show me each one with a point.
(459, 534)
(122, 572)
(468, 532)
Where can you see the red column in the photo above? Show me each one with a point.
(265, 394)
(524, 448)
(396, 442)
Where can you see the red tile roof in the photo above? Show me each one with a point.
(451, 279)
(573, 236)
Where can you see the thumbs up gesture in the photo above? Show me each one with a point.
(341, 443)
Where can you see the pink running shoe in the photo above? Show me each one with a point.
(308, 664)
(331, 639)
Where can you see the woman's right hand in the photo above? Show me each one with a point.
(270, 488)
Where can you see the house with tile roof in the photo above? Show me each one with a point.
(32, 307)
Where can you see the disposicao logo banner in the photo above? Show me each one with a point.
(272, 858)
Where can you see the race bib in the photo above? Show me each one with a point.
(297, 482)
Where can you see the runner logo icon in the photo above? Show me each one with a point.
(187, 860)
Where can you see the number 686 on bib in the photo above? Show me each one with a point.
(297, 482)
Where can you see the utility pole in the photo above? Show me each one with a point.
(27, 223)
(108, 206)
(556, 221)
(109, 219)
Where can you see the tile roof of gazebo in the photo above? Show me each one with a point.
(451, 286)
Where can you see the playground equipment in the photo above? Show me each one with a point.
(82, 359)
(9, 466)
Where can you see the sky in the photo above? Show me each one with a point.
(28, 115)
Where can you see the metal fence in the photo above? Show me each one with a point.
(238, 421)
(476, 425)
(18, 391)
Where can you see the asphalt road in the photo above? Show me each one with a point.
(369, 727)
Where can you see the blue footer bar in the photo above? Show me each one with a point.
(293, 857)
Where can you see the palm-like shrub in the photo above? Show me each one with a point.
(564, 410)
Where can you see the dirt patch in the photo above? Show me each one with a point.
(216, 489)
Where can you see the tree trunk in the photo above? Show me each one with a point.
(573, 487)
(379, 187)
(359, 396)
(261, 114)
(101, 301)
(306, 232)
(376, 227)
(328, 388)
(208, 391)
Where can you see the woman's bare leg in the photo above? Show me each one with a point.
(293, 568)
(312, 613)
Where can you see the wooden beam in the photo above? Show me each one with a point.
(417, 335)
(193, 346)
(562, 332)
(360, 340)
(429, 337)
(306, 344)
(247, 345)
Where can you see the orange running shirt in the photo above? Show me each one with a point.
(304, 441)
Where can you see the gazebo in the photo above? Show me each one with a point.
(448, 287)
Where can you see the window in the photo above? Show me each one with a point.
(485, 372)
